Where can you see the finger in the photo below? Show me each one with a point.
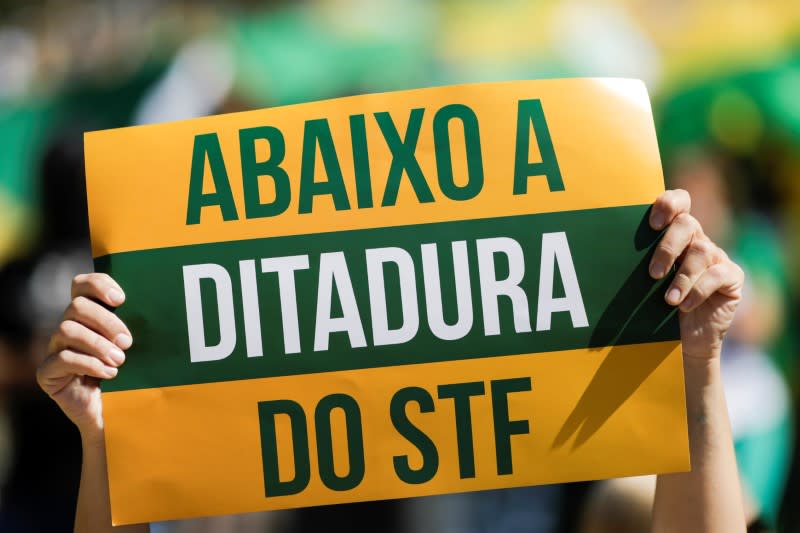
(726, 278)
(70, 363)
(681, 232)
(72, 335)
(700, 254)
(98, 318)
(98, 286)
(668, 206)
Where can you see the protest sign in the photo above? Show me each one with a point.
(381, 296)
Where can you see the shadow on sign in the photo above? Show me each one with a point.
(639, 306)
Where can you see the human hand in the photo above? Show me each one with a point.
(86, 348)
(707, 287)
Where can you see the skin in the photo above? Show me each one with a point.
(707, 289)
(89, 345)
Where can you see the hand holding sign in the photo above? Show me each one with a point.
(86, 348)
(707, 286)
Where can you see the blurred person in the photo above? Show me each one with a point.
(759, 404)
(39, 479)
(34, 290)
(89, 344)
(758, 397)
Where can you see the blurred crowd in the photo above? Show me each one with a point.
(724, 78)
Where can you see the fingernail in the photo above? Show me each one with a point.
(117, 356)
(657, 270)
(673, 296)
(657, 221)
(123, 340)
(111, 371)
(115, 296)
(687, 303)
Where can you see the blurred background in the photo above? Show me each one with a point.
(724, 78)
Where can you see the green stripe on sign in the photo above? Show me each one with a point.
(610, 249)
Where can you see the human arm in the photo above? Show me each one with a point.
(707, 289)
(86, 348)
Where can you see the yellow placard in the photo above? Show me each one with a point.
(384, 296)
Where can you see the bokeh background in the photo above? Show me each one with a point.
(724, 78)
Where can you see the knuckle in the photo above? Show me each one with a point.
(64, 356)
(103, 279)
(701, 247)
(686, 220)
(98, 342)
(77, 307)
(666, 248)
(95, 283)
(80, 303)
(114, 326)
(67, 328)
(695, 294)
(723, 255)
(672, 201)
(666, 204)
(106, 326)
(716, 273)
(682, 279)
(72, 310)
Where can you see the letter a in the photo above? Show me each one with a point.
(531, 112)
(555, 249)
(207, 145)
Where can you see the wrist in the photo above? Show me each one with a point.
(701, 370)
(92, 437)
